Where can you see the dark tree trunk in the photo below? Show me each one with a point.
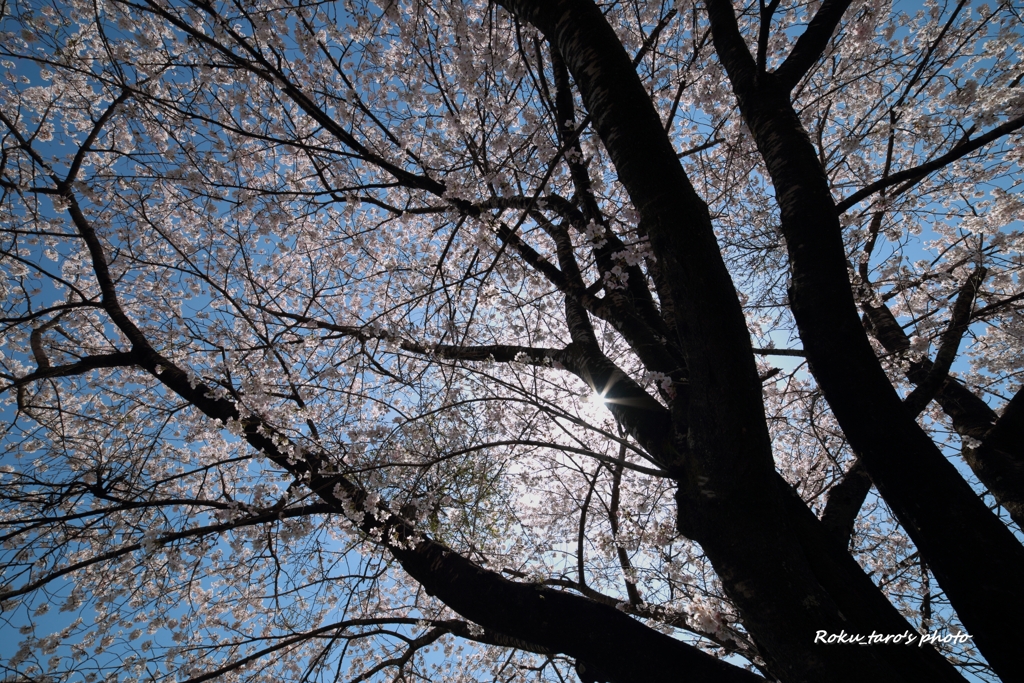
(788, 578)
(975, 558)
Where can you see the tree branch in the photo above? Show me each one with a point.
(644, 418)
(999, 460)
(650, 40)
(971, 416)
(762, 34)
(108, 360)
(911, 175)
(163, 539)
(845, 500)
(811, 44)
(960, 318)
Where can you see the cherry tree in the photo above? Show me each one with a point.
(515, 340)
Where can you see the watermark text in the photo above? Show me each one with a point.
(875, 638)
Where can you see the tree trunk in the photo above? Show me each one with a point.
(767, 554)
(975, 558)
